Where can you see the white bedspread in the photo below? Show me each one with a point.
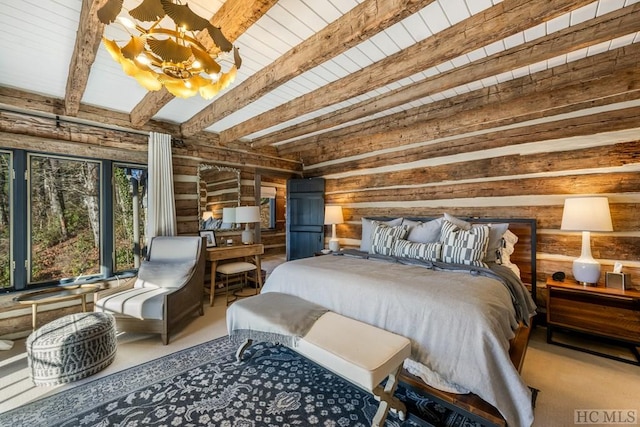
(459, 324)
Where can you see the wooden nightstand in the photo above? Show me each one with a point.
(596, 311)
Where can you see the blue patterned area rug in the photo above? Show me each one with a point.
(203, 386)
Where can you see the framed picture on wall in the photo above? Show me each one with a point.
(211, 237)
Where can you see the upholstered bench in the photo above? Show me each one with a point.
(358, 352)
(229, 269)
(71, 347)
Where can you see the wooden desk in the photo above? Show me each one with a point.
(230, 252)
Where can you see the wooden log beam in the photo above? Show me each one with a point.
(483, 28)
(88, 38)
(233, 17)
(596, 183)
(627, 118)
(608, 156)
(606, 27)
(598, 80)
(360, 23)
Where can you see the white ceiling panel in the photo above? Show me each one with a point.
(46, 29)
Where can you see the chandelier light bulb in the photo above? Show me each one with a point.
(127, 22)
(171, 47)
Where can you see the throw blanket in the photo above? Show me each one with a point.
(459, 322)
(274, 317)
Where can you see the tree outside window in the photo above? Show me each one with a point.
(64, 218)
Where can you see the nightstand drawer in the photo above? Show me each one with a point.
(608, 315)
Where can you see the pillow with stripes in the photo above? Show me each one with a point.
(467, 247)
(383, 237)
(415, 250)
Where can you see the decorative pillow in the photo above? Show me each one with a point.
(464, 246)
(414, 250)
(424, 232)
(383, 237)
(509, 240)
(495, 245)
(367, 228)
(496, 231)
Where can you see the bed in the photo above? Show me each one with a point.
(461, 319)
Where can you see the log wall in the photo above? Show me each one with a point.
(44, 134)
(512, 150)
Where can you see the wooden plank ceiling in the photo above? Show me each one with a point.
(314, 70)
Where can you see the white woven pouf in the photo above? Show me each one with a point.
(72, 347)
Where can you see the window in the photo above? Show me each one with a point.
(267, 207)
(129, 215)
(5, 217)
(64, 218)
(79, 219)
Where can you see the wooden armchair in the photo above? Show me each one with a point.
(167, 290)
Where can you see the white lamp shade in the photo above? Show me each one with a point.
(586, 214)
(246, 214)
(207, 215)
(333, 215)
(228, 215)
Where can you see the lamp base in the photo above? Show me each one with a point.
(247, 236)
(586, 272)
(334, 245)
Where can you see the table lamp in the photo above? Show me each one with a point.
(333, 216)
(247, 214)
(586, 214)
(229, 216)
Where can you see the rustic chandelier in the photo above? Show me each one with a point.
(171, 46)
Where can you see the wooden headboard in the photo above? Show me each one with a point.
(524, 255)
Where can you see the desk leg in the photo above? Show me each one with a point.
(212, 291)
(34, 316)
(259, 274)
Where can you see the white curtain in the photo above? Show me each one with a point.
(161, 209)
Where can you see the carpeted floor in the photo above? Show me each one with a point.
(203, 385)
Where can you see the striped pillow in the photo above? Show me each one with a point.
(383, 237)
(415, 250)
(464, 246)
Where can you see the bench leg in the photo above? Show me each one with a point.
(388, 400)
(241, 349)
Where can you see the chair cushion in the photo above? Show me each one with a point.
(142, 303)
(154, 274)
(174, 248)
(235, 267)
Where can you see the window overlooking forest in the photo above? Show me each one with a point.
(5, 217)
(64, 206)
(67, 219)
(130, 185)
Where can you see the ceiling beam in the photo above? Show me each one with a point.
(360, 23)
(88, 38)
(608, 78)
(234, 17)
(606, 27)
(495, 23)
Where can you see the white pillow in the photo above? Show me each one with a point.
(367, 229)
